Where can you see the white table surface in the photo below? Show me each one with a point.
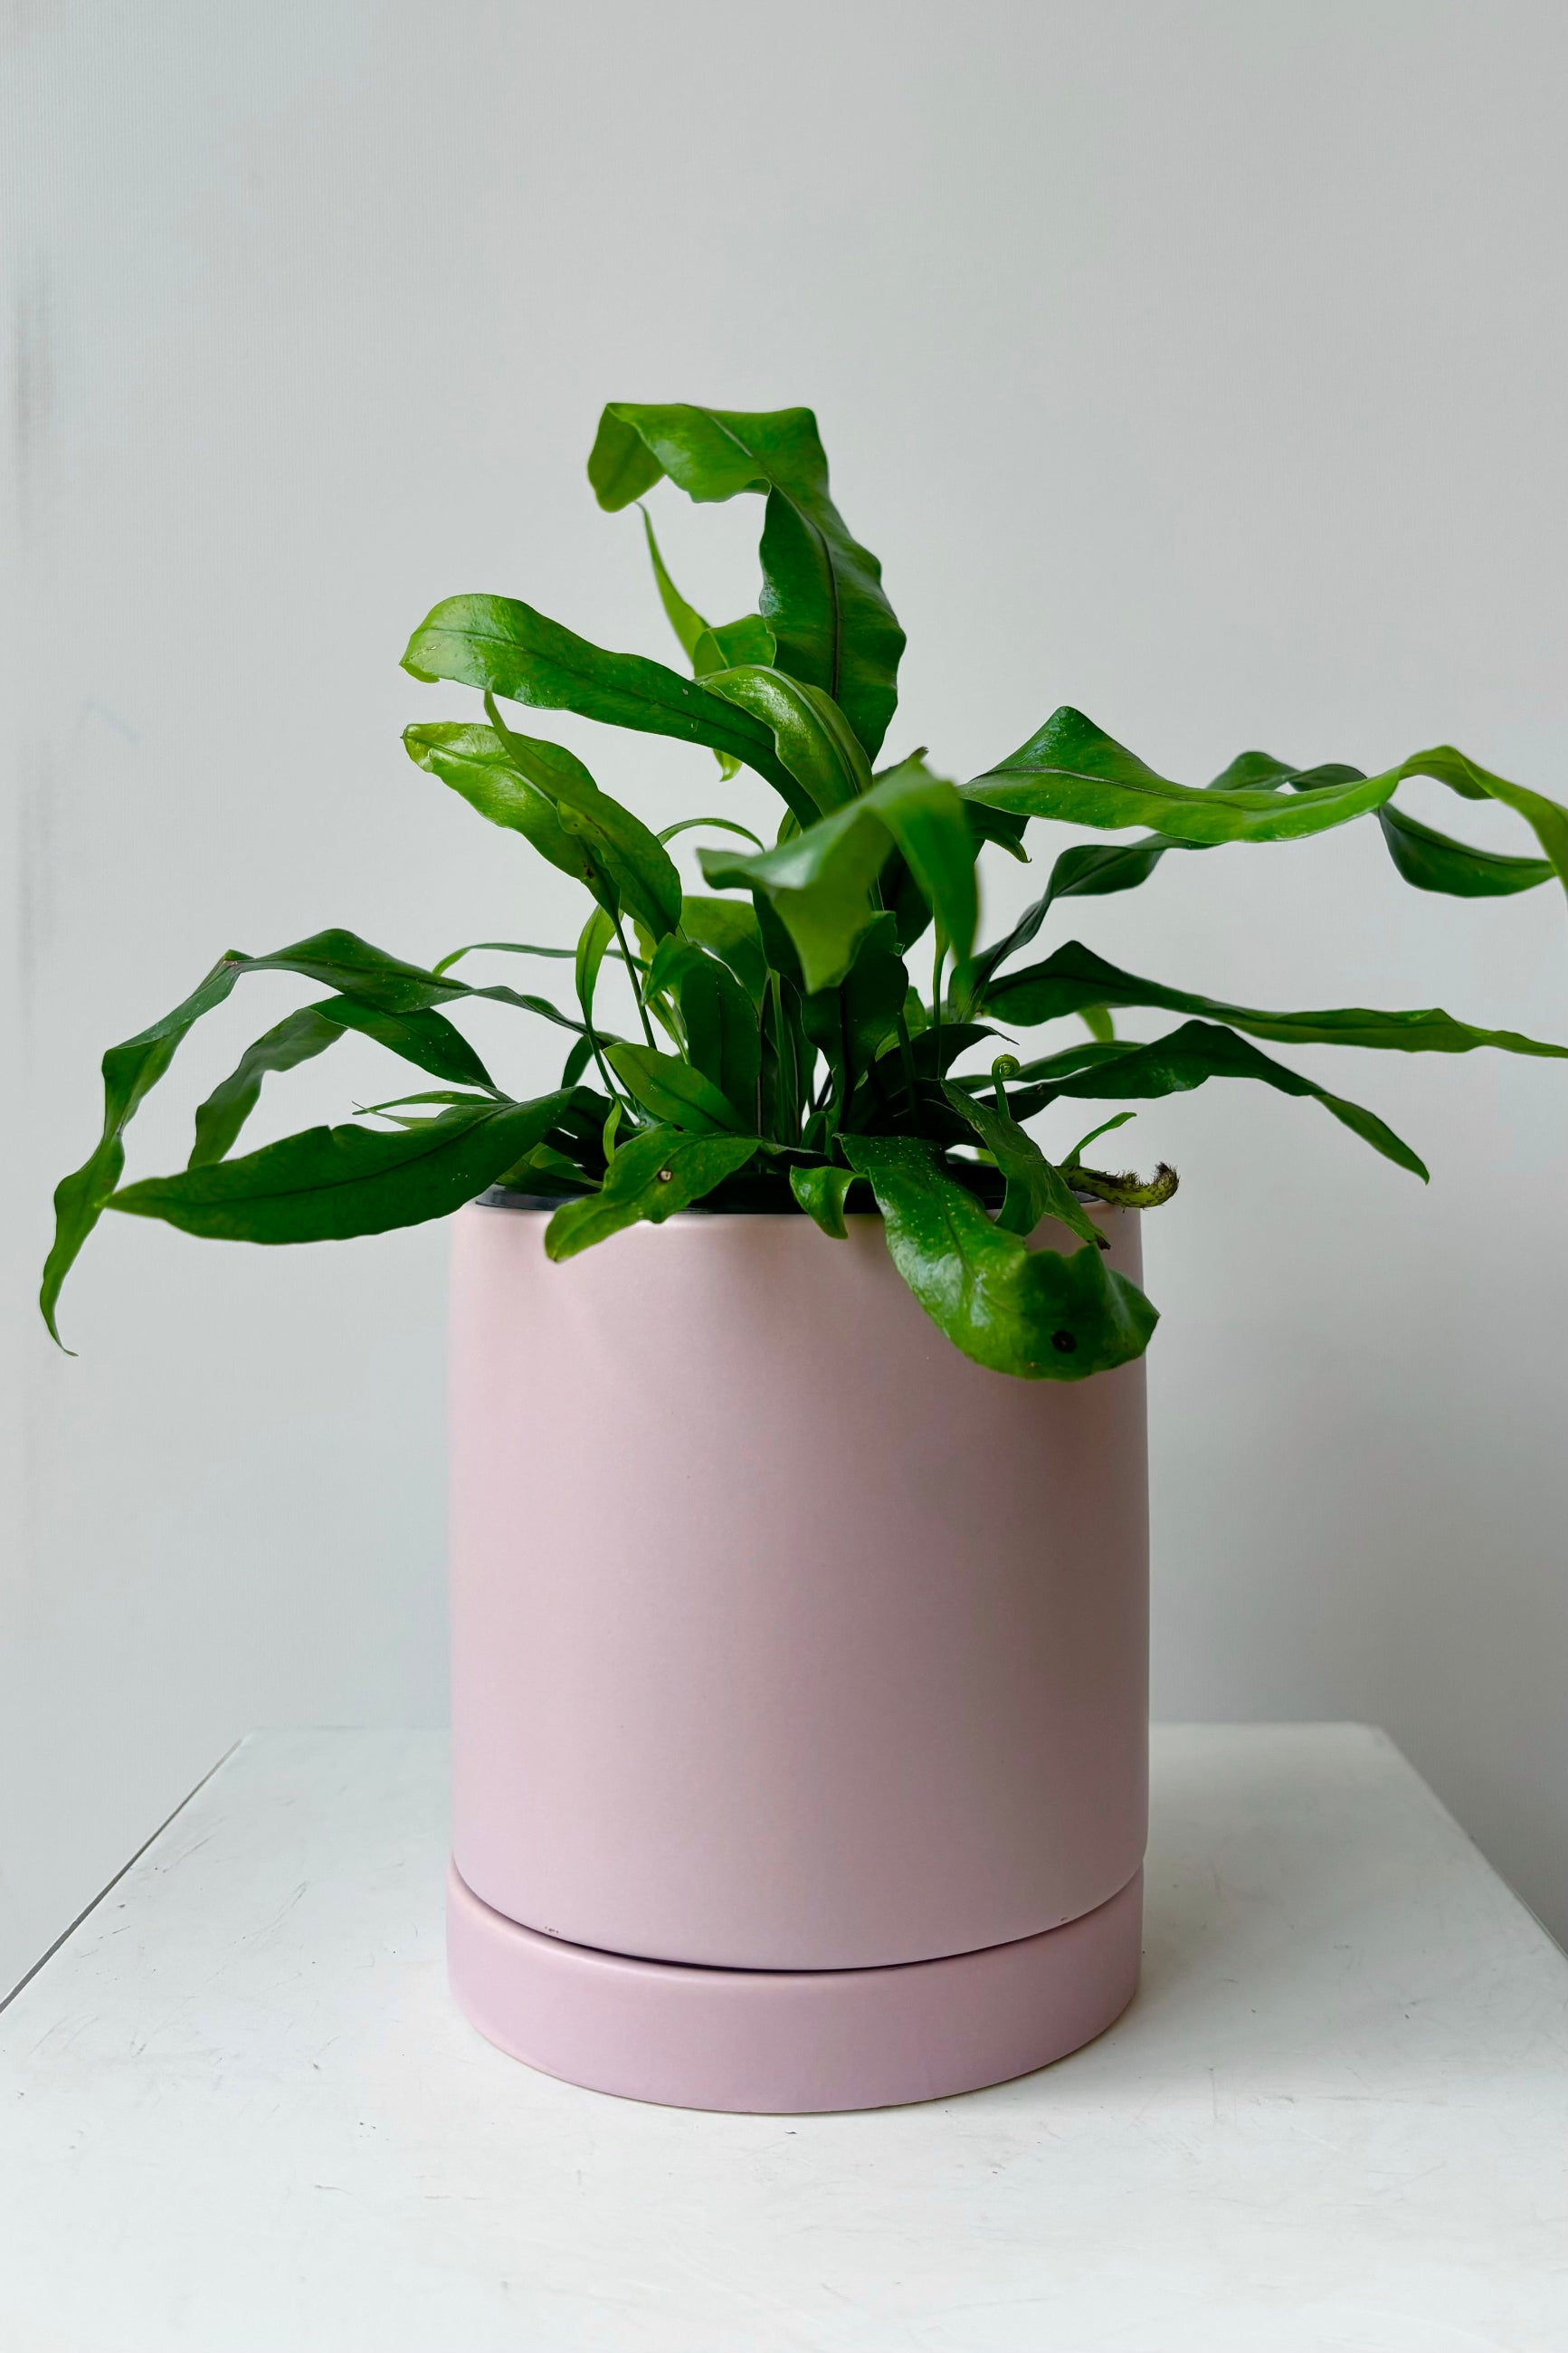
(242, 2116)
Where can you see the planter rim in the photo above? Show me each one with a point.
(538, 1204)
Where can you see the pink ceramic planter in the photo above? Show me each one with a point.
(799, 1672)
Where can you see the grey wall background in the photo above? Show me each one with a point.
(1199, 364)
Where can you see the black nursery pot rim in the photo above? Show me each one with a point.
(501, 1197)
(505, 1199)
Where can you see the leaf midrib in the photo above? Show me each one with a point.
(676, 703)
(1166, 789)
(812, 525)
(453, 1134)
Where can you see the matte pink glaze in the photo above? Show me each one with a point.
(784, 1638)
(790, 2042)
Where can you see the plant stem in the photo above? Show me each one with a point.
(636, 985)
(907, 1057)
(788, 1030)
(604, 1068)
(789, 1085)
(937, 962)
(762, 1050)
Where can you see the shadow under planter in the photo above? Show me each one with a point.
(799, 1671)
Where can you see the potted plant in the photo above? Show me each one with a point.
(798, 1546)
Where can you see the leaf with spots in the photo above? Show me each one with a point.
(1037, 1314)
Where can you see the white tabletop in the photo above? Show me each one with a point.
(243, 2117)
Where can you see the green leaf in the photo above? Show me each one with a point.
(850, 1024)
(577, 1060)
(819, 882)
(130, 1071)
(824, 601)
(220, 1118)
(1035, 1188)
(1096, 870)
(1088, 870)
(426, 1039)
(1005, 827)
(415, 1121)
(1263, 771)
(684, 620)
(940, 1044)
(649, 1179)
(811, 736)
(342, 961)
(899, 890)
(619, 845)
(777, 946)
(594, 940)
(906, 902)
(526, 1002)
(722, 1029)
(1070, 1159)
(1426, 859)
(706, 649)
(421, 1035)
(427, 1095)
(474, 763)
(822, 592)
(546, 1172)
(498, 947)
(1073, 771)
(673, 1091)
(1189, 1056)
(334, 959)
(722, 824)
(925, 816)
(1034, 1314)
(728, 928)
(719, 1019)
(1430, 860)
(821, 1193)
(333, 1182)
(505, 647)
(1075, 979)
(370, 976)
(735, 645)
(1547, 818)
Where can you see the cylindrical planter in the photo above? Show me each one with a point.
(799, 1671)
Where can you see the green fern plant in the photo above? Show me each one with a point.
(786, 1058)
